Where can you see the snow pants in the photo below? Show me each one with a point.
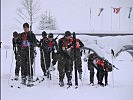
(27, 59)
(46, 60)
(18, 63)
(64, 67)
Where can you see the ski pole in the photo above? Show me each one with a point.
(115, 67)
(75, 66)
(112, 72)
(10, 70)
(44, 60)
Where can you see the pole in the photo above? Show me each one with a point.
(112, 52)
(102, 22)
(75, 66)
(111, 19)
(44, 60)
(119, 21)
(90, 19)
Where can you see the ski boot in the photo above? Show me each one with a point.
(92, 84)
(30, 81)
(45, 74)
(101, 84)
(30, 78)
(69, 83)
(106, 84)
(61, 83)
(23, 81)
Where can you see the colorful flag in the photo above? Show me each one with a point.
(100, 11)
(117, 10)
(130, 12)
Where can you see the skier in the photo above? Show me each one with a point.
(28, 43)
(64, 66)
(100, 70)
(91, 66)
(16, 49)
(52, 48)
(43, 52)
(79, 45)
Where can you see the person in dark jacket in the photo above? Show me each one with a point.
(52, 59)
(16, 49)
(64, 66)
(43, 52)
(91, 66)
(28, 43)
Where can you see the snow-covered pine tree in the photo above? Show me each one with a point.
(47, 22)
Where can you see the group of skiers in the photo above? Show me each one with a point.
(52, 52)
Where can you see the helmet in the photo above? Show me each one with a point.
(44, 34)
(50, 35)
(15, 34)
(67, 33)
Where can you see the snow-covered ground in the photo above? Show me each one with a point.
(50, 90)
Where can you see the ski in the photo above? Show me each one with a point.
(16, 84)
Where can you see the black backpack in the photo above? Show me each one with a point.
(110, 69)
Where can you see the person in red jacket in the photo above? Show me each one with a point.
(100, 71)
(79, 45)
(64, 59)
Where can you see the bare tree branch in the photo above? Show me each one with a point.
(22, 13)
(29, 10)
(20, 22)
(21, 17)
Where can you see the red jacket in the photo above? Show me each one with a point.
(100, 62)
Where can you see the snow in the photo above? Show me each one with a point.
(122, 89)
(74, 16)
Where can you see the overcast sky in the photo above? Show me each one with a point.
(73, 15)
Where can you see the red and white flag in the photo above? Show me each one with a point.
(117, 10)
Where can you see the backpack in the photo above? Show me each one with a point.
(109, 67)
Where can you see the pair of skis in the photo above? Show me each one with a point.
(17, 84)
